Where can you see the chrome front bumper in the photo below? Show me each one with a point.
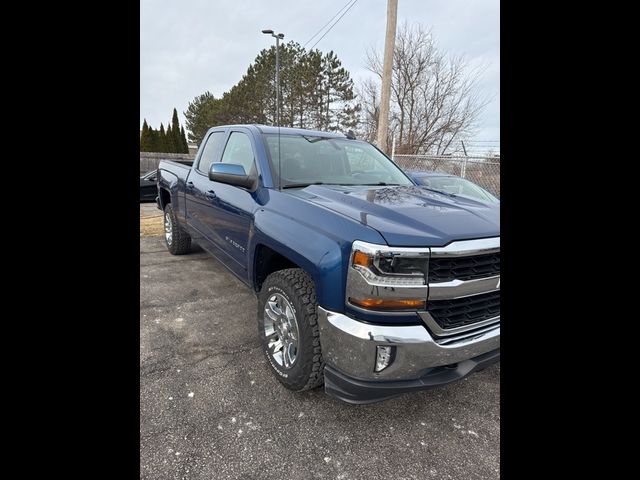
(349, 346)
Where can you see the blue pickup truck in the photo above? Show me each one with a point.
(366, 282)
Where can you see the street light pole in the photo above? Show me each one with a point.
(278, 37)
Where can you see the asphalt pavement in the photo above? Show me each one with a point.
(211, 409)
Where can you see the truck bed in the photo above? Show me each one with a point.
(179, 163)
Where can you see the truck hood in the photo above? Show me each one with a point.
(409, 216)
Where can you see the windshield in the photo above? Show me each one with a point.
(310, 160)
(457, 186)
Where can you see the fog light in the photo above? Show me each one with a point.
(384, 357)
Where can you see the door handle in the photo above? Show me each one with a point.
(211, 195)
(189, 185)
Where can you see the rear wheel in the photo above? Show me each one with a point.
(178, 241)
(288, 328)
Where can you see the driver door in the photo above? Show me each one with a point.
(230, 212)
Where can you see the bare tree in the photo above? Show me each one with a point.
(368, 94)
(434, 98)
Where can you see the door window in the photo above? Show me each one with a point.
(211, 148)
(239, 151)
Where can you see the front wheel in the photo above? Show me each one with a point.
(288, 328)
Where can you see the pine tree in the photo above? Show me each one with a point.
(337, 88)
(144, 137)
(157, 141)
(153, 140)
(162, 139)
(202, 113)
(183, 141)
(316, 93)
(171, 148)
(176, 141)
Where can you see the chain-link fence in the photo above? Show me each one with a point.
(485, 171)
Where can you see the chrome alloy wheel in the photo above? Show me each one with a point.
(168, 228)
(281, 330)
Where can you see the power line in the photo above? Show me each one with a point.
(323, 27)
(335, 23)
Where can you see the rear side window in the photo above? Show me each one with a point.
(239, 151)
(209, 153)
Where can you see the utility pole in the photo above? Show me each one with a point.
(387, 67)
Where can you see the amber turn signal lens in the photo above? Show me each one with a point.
(382, 304)
(360, 258)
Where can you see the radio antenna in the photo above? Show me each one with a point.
(279, 162)
(278, 37)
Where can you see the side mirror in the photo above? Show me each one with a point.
(231, 174)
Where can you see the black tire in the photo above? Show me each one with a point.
(180, 241)
(307, 371)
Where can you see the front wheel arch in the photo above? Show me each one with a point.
(297, 287)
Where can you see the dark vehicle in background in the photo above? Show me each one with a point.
(365, 281)
(452, 184)
(149, 186)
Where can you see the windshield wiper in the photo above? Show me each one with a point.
(313, 139)
(301, 185)
(438, 191)
(381, 184)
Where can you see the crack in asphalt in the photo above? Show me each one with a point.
(157, 368)
(190, 429)
(168, 261)
(146, 306)
(232, 353)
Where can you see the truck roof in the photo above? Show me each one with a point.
(289, 130)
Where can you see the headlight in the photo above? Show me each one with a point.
(393, 264)
(387, 278)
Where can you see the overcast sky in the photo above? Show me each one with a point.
(188, 47)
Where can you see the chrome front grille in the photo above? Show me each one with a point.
(446, 269)
(460, 312)
(464, 287)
